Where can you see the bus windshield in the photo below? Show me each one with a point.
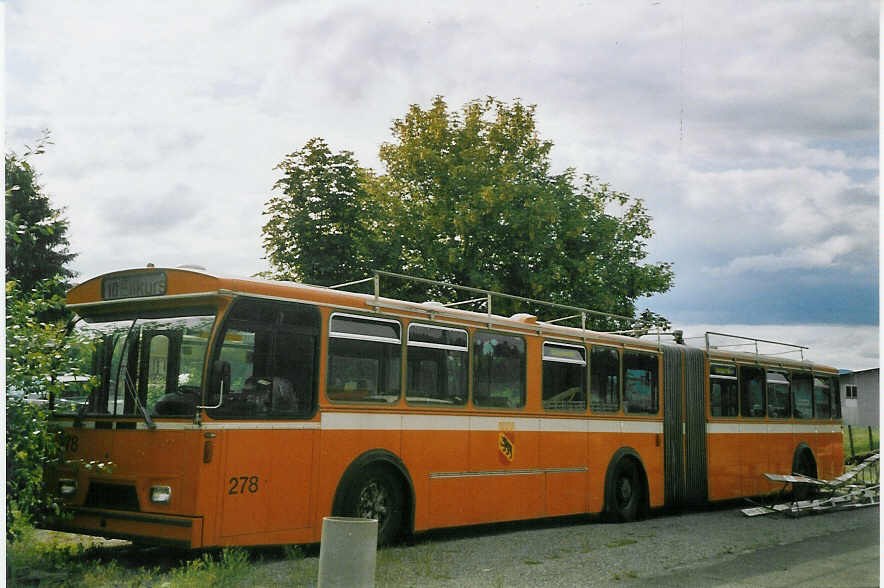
(137, 365)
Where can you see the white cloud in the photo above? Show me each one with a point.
(822, 255)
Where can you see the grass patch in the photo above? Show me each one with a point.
(862, 441)
(620, 542)
(55, 562)
(532, 562)
(229, 569)
(293, 552)
(407, 566)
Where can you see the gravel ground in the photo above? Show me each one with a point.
(604, 554)
(572, 552)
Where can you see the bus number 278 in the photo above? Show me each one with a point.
(243, 485)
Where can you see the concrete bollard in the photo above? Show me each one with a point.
(348, 552)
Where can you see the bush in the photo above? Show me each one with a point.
(29, 445)
(36, 352)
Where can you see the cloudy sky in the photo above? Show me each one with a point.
(750, 129)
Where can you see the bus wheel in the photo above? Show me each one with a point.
(625, 492)
(377, 494)
(804, 465)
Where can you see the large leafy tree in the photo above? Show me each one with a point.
(469, 197)
(323, 227)
(37, 246)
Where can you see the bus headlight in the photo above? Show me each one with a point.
(67, 487)
(161, 494)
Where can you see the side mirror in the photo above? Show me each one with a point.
(219, 383)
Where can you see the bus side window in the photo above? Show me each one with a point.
(564, 377)
(640, 383)
(364, 359)
(604, 379)
(437, 365)
(835, 394)
(498, 370)
(779, 405)
(723, 390)
(802, 395)
(751, 391)
(271, 349)
(821, 401)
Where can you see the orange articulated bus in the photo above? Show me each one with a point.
(241, 412)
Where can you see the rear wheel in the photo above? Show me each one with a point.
(377, 494)
(804, 465)
(625, 492)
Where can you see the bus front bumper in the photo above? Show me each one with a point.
(138, 527)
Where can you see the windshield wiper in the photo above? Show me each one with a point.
(129, 385)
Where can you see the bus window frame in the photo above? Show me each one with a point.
(735, 378)
(828, 379)
(787, 375)
(835, 395)
(659, 388)
(222, 325)
(763, 369)
(524, 379)
(353, 337)
(585, 363)
(619, 410)
(803, 374)
(407, 342)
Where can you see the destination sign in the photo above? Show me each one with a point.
(133, 286)
(717, 369)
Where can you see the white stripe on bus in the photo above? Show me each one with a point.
(366, 421)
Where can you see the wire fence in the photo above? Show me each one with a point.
(859, 441)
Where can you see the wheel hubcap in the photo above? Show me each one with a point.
(373, 502)
(624, 490)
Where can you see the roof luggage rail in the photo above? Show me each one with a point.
(754, 341)
(487, 297)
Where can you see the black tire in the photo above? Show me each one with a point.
(377, 494)
(804, 465)
(625, 492)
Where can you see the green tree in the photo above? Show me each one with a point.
(37, 246)
(37, 349)
(323, 227)
(477, 203)
(469, 197)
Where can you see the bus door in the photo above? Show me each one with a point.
(506, 482)
(684, 425)
(264, 425)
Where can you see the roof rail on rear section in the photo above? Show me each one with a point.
(487, 300)
(753, 342)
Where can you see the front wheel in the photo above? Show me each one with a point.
(625, 492)
(377, 494)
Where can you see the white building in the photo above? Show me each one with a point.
(859, 398)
